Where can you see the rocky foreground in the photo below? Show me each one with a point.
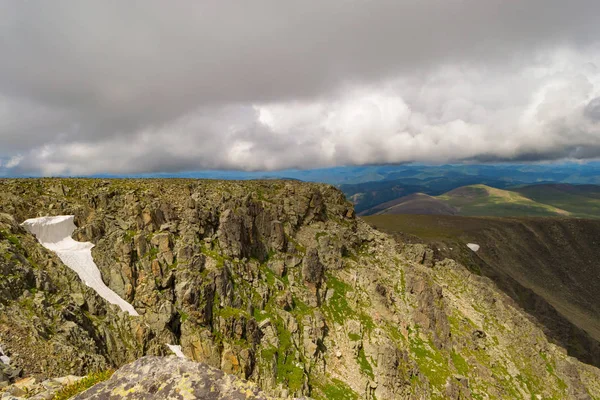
(159, 378)
(276, 282)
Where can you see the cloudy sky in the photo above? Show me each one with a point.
(148, 86)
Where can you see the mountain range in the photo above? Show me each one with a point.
(396, 182)
(558, 200)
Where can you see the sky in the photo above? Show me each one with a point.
(125, 87)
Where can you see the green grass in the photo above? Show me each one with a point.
(14, 240)
(80, 386)
(289, 369)
(579, 202)
(548, 200)
(152, 254)
(422, 226)
(338, 306)
(319, 235)
(183, 316)
(364, 364)
(338, 390)
(482, 200)
(217, 256)
(290, 374)
(431, 362)
(230, 312)
(459, 362)
(301, 308)
(129, 234)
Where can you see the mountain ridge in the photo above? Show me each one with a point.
(483, 200)
(275, 282)
(546, 265)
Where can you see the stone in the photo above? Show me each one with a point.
(157, 378)
(418, 253)
(312, 269)
(229, 362)
(141, 245)
(277, 266)
(278, 238)
(162, 241)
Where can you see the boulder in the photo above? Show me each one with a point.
(168, 378)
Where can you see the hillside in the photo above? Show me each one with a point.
(276, 282)
(481, 200)
(547, 265)
(369, 187)
(418, 203)
(488, 201)
(580, 200)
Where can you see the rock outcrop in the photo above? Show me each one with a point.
(31, 389)
(275, 282)
(162, 378)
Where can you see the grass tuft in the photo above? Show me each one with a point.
(82, 385)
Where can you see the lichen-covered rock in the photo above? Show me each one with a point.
(418, 253)
(164, 378)
(32, 389)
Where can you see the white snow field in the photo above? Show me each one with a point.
(473, 246)
(54, 233)
(176, 350)
(3, 357)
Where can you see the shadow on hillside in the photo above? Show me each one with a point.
(549, 267)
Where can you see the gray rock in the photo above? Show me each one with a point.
(172, 378)
(312, 269)
(419, 253)
(162, 241)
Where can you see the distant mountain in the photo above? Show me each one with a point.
(559, 200)
(418, 203)
(393, 182)
(372, 197)
(488, 201)
(433, 176)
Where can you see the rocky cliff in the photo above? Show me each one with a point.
(276, 282)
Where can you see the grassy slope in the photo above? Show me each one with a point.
(581, 201)
(482, 200)
(548, 200)
(418, 203)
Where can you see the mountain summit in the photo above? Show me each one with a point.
(275, 282)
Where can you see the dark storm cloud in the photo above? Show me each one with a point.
(592, 110)
(140, 86)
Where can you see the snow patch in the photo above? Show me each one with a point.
(54, 233)
(3, 357)
(176, 350)
(473, 246)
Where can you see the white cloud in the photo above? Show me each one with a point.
(269, 86)
(14, 161)
(454, 113)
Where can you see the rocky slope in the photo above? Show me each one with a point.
(275, 282)
(547, 265)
